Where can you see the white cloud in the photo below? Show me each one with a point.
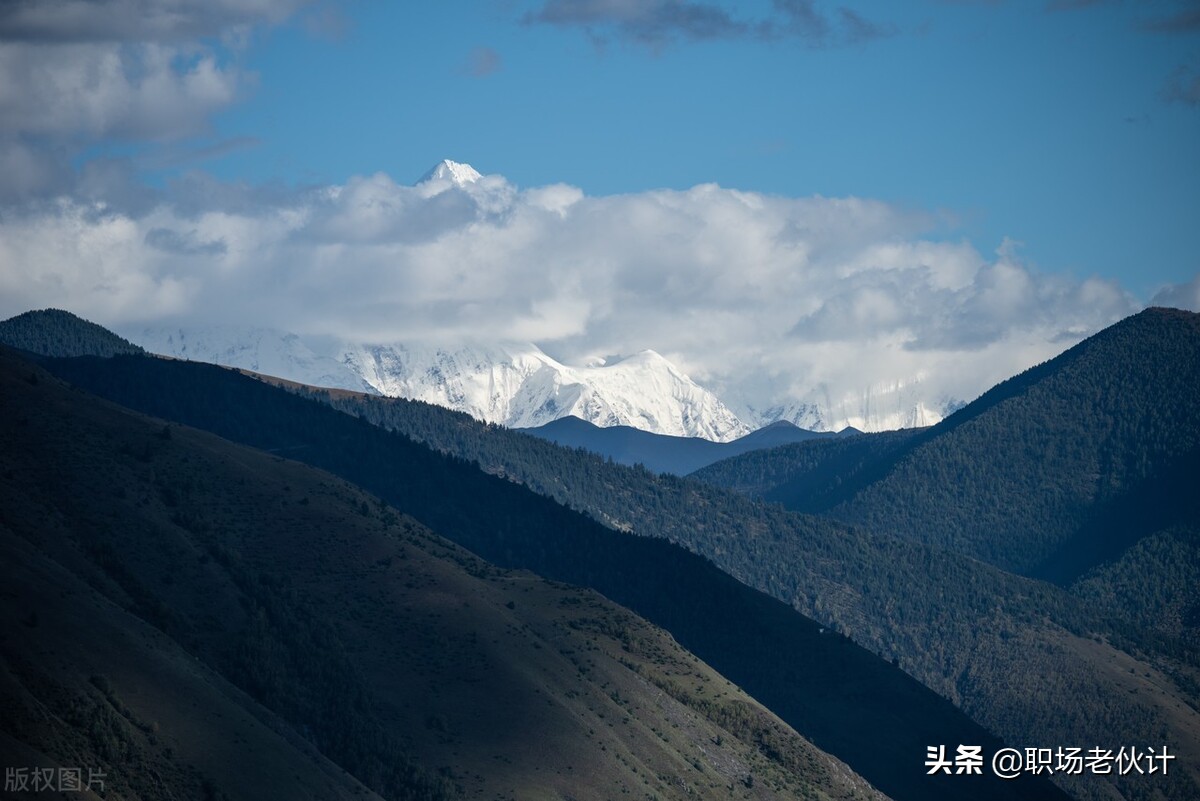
(146, 91)
(1180, 296)
(77, 74)
(767, 299)
(81, 257)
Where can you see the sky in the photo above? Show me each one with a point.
(788, 198)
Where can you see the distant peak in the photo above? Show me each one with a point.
(643, 357)
(455, 172)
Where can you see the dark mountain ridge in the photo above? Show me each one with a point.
(196, 619)
(980, 636)
(660, 453)
(1035, 662)
(845, 700)
(1051, 474)
(54, 332)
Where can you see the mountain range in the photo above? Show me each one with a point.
(243, 626)
(1093, 457)
(1067, 621)
(513, 385)
(1035, 660)
(520, 386)
(854, 703)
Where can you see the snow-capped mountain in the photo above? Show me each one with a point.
(262, 350)
(520, 385)
(878, 407)
(514, 385)
(454, 172)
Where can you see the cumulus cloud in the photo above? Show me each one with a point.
(147, 91)
(655, 23)
(182, 243)
(87, 259)
(75, 74)
(766, 299)
(1180, 296)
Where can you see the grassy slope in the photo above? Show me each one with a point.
(307, 593)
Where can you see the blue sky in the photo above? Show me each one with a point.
(796, 201)
(1053, 127)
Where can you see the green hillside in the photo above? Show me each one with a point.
(197, 619)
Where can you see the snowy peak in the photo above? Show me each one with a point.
(515, 385)
(455, 172)
(521, 387)
(648, 358)
(643, 391)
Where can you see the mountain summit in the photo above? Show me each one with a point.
(516, 385)
(455, 172)
(54, 332)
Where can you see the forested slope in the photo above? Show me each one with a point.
(847, 701)
(1029, 659)
(1023, 656)
(54, 332)
(196, 619)
(1080, 471)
